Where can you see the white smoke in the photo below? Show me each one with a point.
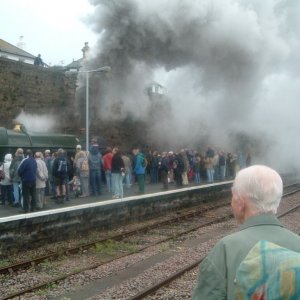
(230, 66)
(37, 123)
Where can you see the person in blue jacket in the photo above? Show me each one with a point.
(27, 173)
(139, 168)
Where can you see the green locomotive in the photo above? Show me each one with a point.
(19, 137)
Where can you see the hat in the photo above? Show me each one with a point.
(8, 157)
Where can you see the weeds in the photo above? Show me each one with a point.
(45, 291)
(112, 247)
(4, 263)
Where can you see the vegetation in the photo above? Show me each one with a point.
(4, 263)
(112, 247)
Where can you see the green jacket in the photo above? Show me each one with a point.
(217, 271)
(13, 169)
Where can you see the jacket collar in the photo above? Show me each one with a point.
(263, 219)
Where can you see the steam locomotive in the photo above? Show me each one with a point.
(19, 137)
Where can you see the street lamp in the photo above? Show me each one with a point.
(98, 70)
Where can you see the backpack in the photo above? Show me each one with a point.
(268, 272)
(191, 174)
(144, 162)
(13, 169)
(154, 162)
(11, 172)
(62, 168)
(2, 174)
(84, 166)
(164, 164)
(179, 164)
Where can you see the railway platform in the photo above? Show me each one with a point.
(8, 211)
(79, 215)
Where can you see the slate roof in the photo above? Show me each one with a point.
(11, 49)
(75, 64)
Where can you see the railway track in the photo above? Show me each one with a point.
(34, 262)
(117, 237)
(155, 287)
(10, 269)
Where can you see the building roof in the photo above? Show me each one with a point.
(11, 49)
(75, 64)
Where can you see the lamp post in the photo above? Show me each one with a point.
(87, 73)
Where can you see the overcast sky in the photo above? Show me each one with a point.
(53, 28)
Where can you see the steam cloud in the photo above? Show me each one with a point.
(37, 123)
(229, 66)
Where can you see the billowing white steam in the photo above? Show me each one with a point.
(233, 67)
(37, 123)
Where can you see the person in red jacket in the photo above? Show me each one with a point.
(107, 158)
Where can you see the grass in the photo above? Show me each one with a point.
(112, 247)
(45, 264)
(45, 291)
(47, 268)
(4, 263)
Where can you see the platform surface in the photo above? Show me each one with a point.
(8, 213)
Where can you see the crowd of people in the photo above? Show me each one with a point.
(27, 179)
(233, 268)
(188, 166)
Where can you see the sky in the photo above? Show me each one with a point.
(54, 28)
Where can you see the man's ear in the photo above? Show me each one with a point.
(242, 203)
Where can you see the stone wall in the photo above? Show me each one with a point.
(35, 90)
(38, 90)
(37, 229)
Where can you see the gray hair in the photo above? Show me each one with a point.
(262, 185)
(60, 152)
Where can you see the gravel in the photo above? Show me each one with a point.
(179, 289)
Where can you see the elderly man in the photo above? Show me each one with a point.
(256, 194)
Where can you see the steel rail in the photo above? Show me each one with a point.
(155, 287)
(62, 277)
(288, 211)
(54, 255)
